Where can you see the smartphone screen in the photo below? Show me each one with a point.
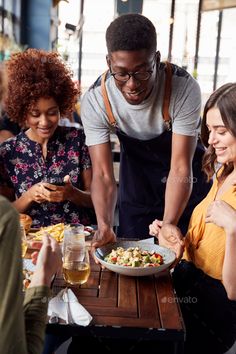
(55, 181)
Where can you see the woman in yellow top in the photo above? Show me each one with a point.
(205, 278)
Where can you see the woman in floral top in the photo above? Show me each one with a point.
(46, 169)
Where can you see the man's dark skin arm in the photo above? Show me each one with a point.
(103, 192)
(179, 183)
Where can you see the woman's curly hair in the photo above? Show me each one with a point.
(35, 74)
(224, 98)
(3, 83)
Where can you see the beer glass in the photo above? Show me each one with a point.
(76, 264)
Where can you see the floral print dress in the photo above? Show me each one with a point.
(22, 165)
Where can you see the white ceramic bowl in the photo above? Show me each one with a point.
(168, 256)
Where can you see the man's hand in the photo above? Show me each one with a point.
(102, 237)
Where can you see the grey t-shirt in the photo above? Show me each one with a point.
(143, 121)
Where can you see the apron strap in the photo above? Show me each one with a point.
(167, 94)
(110, 115)
(166, 99)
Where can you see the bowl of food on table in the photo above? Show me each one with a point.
(135, 259)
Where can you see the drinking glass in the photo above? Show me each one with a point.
(78, 230)
(76, 264)
(73, 233)
(23, 241)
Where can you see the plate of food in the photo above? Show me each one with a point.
(56, 231)
(135, 259)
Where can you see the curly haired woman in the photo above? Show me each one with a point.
(43, 155)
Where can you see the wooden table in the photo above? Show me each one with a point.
(135, 311)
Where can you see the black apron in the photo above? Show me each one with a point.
(144, 169)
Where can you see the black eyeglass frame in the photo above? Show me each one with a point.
(134, 75)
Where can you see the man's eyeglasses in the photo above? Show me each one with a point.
(138, 75)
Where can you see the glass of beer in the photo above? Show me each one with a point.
(76, 264)
(23, 241)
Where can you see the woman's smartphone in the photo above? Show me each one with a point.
(55, 181)
(58, 183)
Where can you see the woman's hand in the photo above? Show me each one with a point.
(221, 214)
(155, 227)
(171, 237)
(36, 194)
(48, 261)
(53, 193)
(168, 236)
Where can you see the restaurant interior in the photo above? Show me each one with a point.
(197, 35)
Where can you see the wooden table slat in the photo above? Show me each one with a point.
(169, 308)
(111, 311)
(94, 266)
(125, 322)
(96, 301)
(127, 294)
(148, 306)
(91, 284)
(108, 285)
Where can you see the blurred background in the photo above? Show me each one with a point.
(195, 34)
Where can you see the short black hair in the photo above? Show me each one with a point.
(131, 32)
